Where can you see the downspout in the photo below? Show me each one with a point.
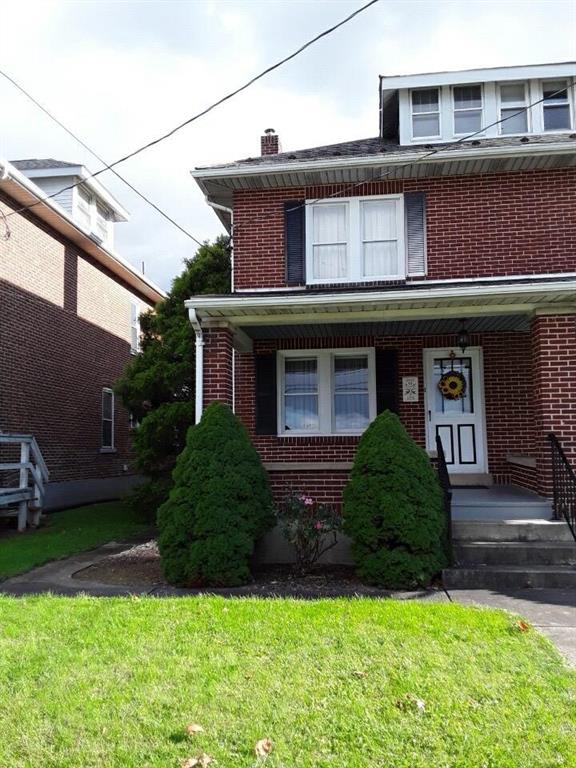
(199, 402)
(230, 211)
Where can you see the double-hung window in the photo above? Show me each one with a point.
(356, 240)
(425, 103)
(513, 109)
(84, 209)
(326, 391)
(556, 105)
(467, 109)
(101, 228)
(107, 419)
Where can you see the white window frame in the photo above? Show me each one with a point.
(456, 110)
(112, 447)
(570, 95)
(514, 105)
(325, 368)
(135, 306)
(354, 243)
(438, 112)
(86, 205)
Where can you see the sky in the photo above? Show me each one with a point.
(121, 73)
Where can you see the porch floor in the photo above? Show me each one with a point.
(499, 502)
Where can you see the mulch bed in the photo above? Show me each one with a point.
(140, 566)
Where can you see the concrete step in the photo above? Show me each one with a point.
(527, 553)
(503, 502)
(511, 530)
(501, 578)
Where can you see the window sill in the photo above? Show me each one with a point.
(291, 435)
(108, 450)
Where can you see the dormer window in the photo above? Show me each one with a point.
(467, 109)
(513, 108)
(425, 113)
(84, 209)
(556, 105)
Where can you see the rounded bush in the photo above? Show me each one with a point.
(393, 509)
(219, 506)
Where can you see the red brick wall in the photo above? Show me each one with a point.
(477, 226)
(64, 335)
(508, 387)
(217, 365)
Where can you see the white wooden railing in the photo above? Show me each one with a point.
(25, 500)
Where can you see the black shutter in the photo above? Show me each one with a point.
(266, 397)
(415, 215)
(386, 380)
(295, 241)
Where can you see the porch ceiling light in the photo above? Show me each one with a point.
(463, 340)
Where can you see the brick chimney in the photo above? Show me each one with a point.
(270, 142)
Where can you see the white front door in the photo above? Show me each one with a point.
(454, 404)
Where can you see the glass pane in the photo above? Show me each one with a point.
(351, 411)
(425, 125)
(513, 94)
(379, 220)
(425, 100)
(550, 91)
(467, 122)
(467, 97)
(351, 374)
(381, 259)
(556, 118)
(329, 261)
(106, 405)
(516, 124)
(300, 376)
(461, 366)
(301, 412)
(330, 223)
(107, 434)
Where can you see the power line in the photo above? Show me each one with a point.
(210, 107)
(94, 154)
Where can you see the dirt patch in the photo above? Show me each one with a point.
(140, 566)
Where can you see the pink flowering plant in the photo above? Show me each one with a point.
(310, 526)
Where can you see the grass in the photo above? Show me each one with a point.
(114, 682)
(66, 533)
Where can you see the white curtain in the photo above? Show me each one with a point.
(330, 241)
(379, 236)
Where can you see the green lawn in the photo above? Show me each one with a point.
(65, 533)
(114, 683)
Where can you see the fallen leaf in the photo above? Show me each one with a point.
(263, 747)
(201, 761)
(522, 626)
(193, 729)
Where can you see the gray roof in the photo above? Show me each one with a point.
(39, 165)
(378, 146)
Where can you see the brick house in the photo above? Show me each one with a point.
(70, 308)
(419, 271)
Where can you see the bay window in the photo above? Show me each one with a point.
(513, 108)
(425, 104)
(556, 105)
(355, 240)
(326, 391)
(467, 109)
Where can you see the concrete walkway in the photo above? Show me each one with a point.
(553, 611)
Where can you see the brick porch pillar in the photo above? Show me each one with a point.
(218, 367)
(554, 361)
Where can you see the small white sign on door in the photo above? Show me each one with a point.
(410, 389)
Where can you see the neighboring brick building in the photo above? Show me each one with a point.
(430, 270)
(70, 309)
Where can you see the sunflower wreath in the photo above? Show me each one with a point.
(452, 385)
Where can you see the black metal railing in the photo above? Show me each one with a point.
(564, 485)
(444, 478)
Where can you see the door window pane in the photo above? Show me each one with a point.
(329, 225)
(461, 366)
(351, 397)
(301, 395)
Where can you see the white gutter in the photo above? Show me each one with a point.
(199, 401)
(526, 150)
(230, 211)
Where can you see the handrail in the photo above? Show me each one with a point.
(563, 485)
(446, 486)
(33, 474)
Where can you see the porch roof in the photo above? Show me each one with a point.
(416, 301)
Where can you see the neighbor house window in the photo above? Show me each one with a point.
(513, 108)
(84, 209)
(326, 391)
(102, 223)
(134, 327)
(556, 105)
(467, 108)
(356, 240)
(425, 113)
(107, 418)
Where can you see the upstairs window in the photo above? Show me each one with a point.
(425, 113)
(84, 209)
(330, 241)
(513, 108)
(556, 105)
(467, 109)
